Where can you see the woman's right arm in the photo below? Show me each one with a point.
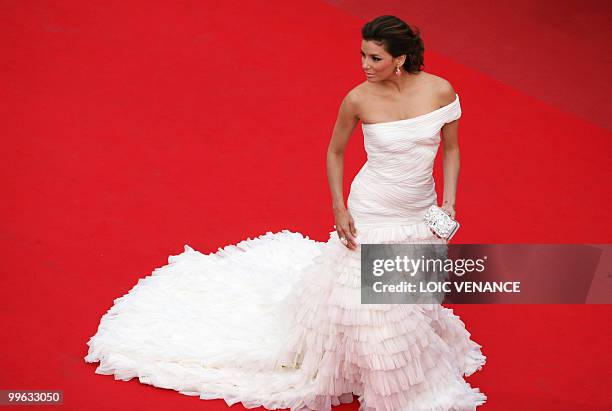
(343, 129)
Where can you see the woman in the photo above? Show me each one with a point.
(276, 321)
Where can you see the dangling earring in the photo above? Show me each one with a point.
(397, 71)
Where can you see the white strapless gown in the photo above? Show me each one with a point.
(276, 321)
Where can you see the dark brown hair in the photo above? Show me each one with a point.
(397, 38)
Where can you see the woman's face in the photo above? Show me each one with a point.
(375, 61)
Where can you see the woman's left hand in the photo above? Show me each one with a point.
(449, 209)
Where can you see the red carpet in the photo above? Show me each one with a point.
(133, 128)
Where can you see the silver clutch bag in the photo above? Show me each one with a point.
(440, 222)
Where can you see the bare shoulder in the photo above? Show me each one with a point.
(443, 89)
(358, 92)
(354, 98)
(348, 114)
